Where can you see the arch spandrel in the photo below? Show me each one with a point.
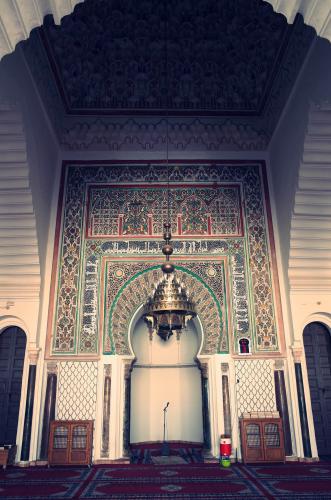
(136, 291)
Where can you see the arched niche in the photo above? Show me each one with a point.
(165, 372)
(12, 355)
(317, 345)
(135, 293)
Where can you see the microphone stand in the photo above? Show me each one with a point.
(165, 452)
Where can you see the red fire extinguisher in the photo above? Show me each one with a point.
(225, 450)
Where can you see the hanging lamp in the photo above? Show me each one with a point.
(169, 308)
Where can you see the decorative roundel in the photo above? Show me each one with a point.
(211, 271)
(118, 273)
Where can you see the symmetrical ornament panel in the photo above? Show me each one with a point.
(141, 211)
(255, 386)
(76, 390)
(228, 267)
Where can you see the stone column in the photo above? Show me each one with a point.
(106, 411)
(226, 399)
(281, 403)
(49, 408)
(205, 406)
(33, 355)
(127, 409)
(297, 354)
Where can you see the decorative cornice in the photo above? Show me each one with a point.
(19, 266)
(19, 17)
(310, 242)
(150, 135)
(316, 13)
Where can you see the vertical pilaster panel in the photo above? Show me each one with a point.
(302, 411)
(49, 408)
(106, 411)
(281, 403)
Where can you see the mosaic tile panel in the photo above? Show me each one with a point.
(77, 310)
(255, 385)
(76, 390)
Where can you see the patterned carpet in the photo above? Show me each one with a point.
(182, 482)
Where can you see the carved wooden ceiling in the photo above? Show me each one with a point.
(221, 70)
(223, 57)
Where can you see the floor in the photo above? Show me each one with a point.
(193, 481)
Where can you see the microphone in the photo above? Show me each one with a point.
(164, 409)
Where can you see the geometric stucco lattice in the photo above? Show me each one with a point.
(255, 385)
(77, 390)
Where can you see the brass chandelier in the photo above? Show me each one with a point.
(169, 308)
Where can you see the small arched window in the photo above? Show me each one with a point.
(244, 346)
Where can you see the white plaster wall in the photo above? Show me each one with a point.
(165, 372)
(17, 88)
(287, 154)
(287, 144)
(16, 85)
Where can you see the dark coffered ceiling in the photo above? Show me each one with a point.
(201, 57)
(122, 74)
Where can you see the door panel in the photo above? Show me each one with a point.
(317, 342)
(12, 351)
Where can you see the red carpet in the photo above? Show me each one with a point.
(182, 482)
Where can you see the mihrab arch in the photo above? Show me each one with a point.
(136, 291)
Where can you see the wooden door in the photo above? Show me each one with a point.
(252, 441)
(59, 443)
(317, 342)
(80, 443)
(12, 352)
(273, 441)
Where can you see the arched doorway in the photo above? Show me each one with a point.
(12, 352)
(317, 342)
(166, 372)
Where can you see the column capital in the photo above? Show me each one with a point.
(107, 370)
(297, 351)
(224, 367)
(33, 355)
(52, 368)
(279, 364)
